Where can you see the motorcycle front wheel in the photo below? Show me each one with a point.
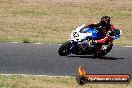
(64, 49)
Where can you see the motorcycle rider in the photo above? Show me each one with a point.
(106, 30)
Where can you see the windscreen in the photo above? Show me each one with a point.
(84, 30)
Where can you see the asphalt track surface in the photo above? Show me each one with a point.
(43, 59)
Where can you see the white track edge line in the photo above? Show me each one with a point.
(33, 75)
(58, 44)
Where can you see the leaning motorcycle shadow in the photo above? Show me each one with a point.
(103, 58)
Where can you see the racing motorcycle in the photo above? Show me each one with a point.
(81, 42)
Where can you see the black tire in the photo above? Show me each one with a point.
(103, 53)
(99, 54)
(64, 49)
(109, 49)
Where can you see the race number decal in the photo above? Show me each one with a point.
(75, 34)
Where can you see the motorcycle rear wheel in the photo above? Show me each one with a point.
(102, 53)
(99, 54)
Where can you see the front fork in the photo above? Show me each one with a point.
(73, 46)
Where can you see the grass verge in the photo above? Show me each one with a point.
(19, 81)
(52, 22)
